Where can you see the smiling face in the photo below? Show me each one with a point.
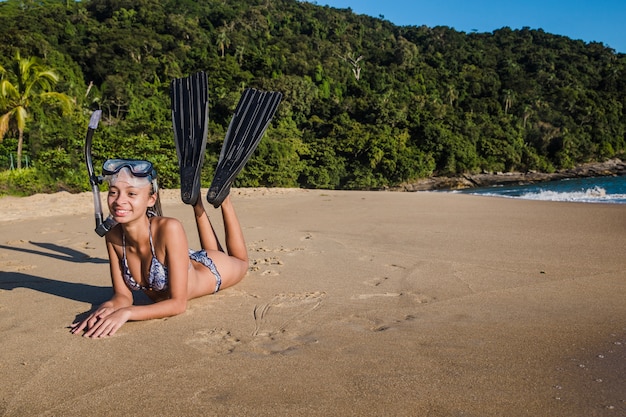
(128, 197)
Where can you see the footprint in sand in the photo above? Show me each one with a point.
(213, 341)
(373, 323)
(267, 261)
(259, 247)
(257, 264)
(376, 324)
(275, 329)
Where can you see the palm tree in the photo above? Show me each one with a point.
(509, 95)
(223, 41)
(22, 84)
(354, 62)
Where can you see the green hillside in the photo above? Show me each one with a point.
(367, 104)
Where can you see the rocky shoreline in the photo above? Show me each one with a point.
(613, 167)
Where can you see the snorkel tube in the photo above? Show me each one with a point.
(102, 225)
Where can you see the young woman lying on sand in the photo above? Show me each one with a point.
(150, 253)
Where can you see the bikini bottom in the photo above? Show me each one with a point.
(202, 257)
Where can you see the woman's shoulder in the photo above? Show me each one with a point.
(162, 221)
(168, 234)
(164, 226)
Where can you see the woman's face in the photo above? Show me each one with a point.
(128, 202)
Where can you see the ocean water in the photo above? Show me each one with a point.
(584, 190)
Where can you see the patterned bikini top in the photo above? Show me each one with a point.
(157, 277)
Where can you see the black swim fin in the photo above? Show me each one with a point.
(190, 117)
(252, 116)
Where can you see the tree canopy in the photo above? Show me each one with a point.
(26, 82)
(367, 104)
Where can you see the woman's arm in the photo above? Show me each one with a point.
(122, 296)
(169, 235)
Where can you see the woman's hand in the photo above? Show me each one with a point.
(105, 321)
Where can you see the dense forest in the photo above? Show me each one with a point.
(367, 104)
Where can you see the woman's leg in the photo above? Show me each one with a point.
(206, 233)
(234, 266)
(235, 242)
(237, 266)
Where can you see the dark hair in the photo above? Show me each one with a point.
(156, 209)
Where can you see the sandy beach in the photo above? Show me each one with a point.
(356, 304)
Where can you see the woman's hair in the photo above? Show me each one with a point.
(156, 209)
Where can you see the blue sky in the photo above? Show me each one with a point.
(588, 20)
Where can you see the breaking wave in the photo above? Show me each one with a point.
(587, 190)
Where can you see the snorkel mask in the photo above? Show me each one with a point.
(135, 172)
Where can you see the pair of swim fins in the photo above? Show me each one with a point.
(190, 114)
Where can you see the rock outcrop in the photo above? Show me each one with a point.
(613, 167)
